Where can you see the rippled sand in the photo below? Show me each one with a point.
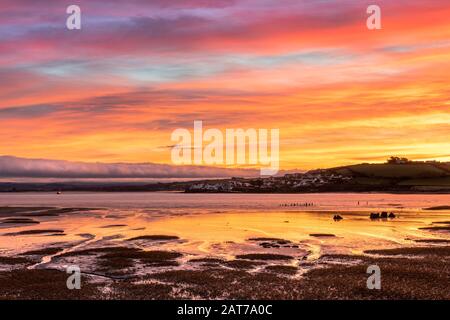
(282, 244)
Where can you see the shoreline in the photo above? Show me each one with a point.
(231, 192)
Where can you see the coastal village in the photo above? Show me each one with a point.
(287, 183)
(396, 174)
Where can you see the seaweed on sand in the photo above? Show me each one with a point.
(438, 208)
(242, 264)
(42, 252)
(155, 237)
(35, 232)
(264, 256)
(414, 251)
(437, 228)
(19, 221)
(322, 235)
(120, 260)
(288, 270)
(13, 260)
(42, 284)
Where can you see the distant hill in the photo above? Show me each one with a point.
(395, 171)
(412, 176)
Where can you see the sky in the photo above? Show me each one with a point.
(114, 91)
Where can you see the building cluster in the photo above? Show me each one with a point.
(288, 182)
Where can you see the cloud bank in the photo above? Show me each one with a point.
(14, 167)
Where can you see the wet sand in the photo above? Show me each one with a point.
(230, 254)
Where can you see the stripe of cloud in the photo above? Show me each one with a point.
(138, 100)
(26, 112)
(197, 31)
(184, 30)
(14, 167)
(157, 70)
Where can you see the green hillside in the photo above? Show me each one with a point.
(426, 182)
(394, 171)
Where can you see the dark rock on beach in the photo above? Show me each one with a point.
(374, 216)
(382, 215)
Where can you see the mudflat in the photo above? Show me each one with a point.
(246, 254)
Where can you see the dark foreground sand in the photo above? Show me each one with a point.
(408, 273)
(126, 271)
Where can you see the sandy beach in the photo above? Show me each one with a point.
(165, 249)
